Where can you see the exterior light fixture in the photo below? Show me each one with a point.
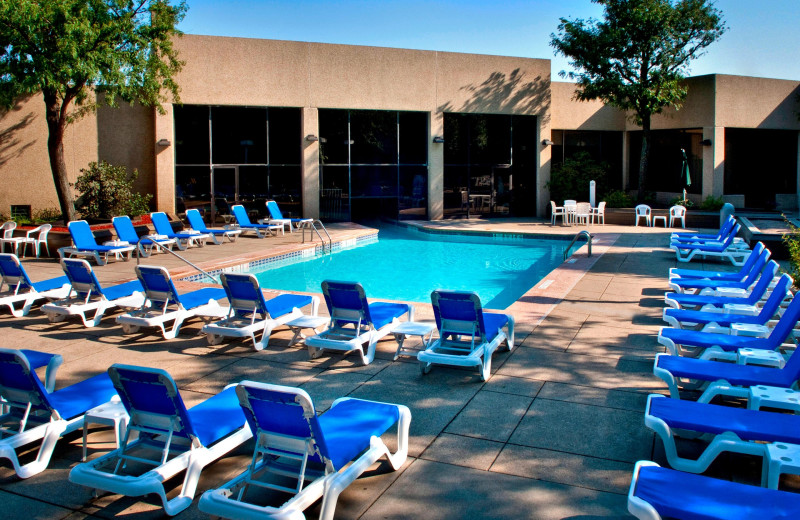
(312, 138)
(163, 142)
(547, 142)
(706, 142)
(438, 139)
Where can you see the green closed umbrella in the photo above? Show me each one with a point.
(686, 175)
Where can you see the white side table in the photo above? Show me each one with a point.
(305, 322)
(112, 413)
(412, 328)
(658, 218)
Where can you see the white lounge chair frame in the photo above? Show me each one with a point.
(14, 294)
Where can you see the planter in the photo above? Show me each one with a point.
(694, 218)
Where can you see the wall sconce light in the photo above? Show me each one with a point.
(312, 138)
(438, 139)
(163, 142)
(706, 142)
(547, 142)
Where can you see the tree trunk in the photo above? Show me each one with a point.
(56, 125)
(644, 158)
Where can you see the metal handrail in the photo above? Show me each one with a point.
(314, 228)
(580, 234)
(173, 253)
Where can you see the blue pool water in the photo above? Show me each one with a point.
(407, 264)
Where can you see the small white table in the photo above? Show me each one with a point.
(112, 413)
(305, 322)
(658, 218)
(412, 328)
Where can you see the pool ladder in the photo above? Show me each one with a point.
(173, 253)
(312, 226)
(583, 233)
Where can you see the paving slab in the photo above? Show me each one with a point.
(469, 452)
(490, 415)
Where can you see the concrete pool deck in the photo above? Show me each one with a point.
(553, 434)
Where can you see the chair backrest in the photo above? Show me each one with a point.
(777, 296)
(601, 207)
(12, 272)
(81, 277)
(8, 228)
(642, 209)
(161, 223)
(19, 385)
(785, 324)
(82, 235)
(458, 313)
(42, 231)
(158, 286)
(553, 206)
(347, 302)
(240, 214)
(758, 251)
(726, 228)
(761, 265)
(244, 294)
(274, 210)
(195, 220)
(125, 230)
(570, 202)
(583, 208)
(759, 290)
(677, 211)
(151, 399)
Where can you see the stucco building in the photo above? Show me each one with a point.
(346, 132)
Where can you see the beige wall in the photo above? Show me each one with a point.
(571, 114)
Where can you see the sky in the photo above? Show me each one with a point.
(763, 36)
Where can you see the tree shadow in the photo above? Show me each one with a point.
(11, 142)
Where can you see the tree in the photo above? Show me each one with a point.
(636, 58)
(79, 53)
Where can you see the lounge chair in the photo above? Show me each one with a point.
(697, 286)
(658, 492)
(183, 239)
(726, 250)
(276, 217)
(354, 321)
(724, 231)
(16, 286)
(715, 378)
(730, 429)
(34, 413)
(171, 438)
(145, 244)
(317, 456)
(261, 230)
(710, 345)
(740, 299)
(250, 313)
(86, 295)
(85, 245)
(758, 250)
(721, 322)
(468, 336)
(217, 235)
(163, 303)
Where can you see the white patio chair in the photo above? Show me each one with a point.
(8, 232)
(569, 210)
(556, 211)
(37, 241)
(677, 213)
(583, 212)
(600, 213)
(643, 211)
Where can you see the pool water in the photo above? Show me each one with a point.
(406, 264)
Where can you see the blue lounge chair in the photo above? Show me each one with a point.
(250, 313)
(310, 452)
(468, 336)
(86, 295)
(163, 303)
(261, 230)
(738, 298)
(726, 250)
(354, 321)
(171, 438)
(85, 245)
(698, 238)
(32, 413)
(217, 235)
(758, 249)
(697, 286)
(16, 286)
(145, 245)
(708, 345)
(721, 322)
(658, 492)
(276, 217)
(730, 429)
(183, 239)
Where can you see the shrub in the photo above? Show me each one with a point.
(618, 199)
(680, 201)
(570, 179)
(792, 242)
(107, 191)
(46, 215)
(712, 203)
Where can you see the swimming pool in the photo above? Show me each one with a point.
(407, 264)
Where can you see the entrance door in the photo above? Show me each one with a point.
(224, 192)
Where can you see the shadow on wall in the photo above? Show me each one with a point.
(505, 94)
(11, 145)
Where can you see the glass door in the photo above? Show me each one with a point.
(225, 190)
